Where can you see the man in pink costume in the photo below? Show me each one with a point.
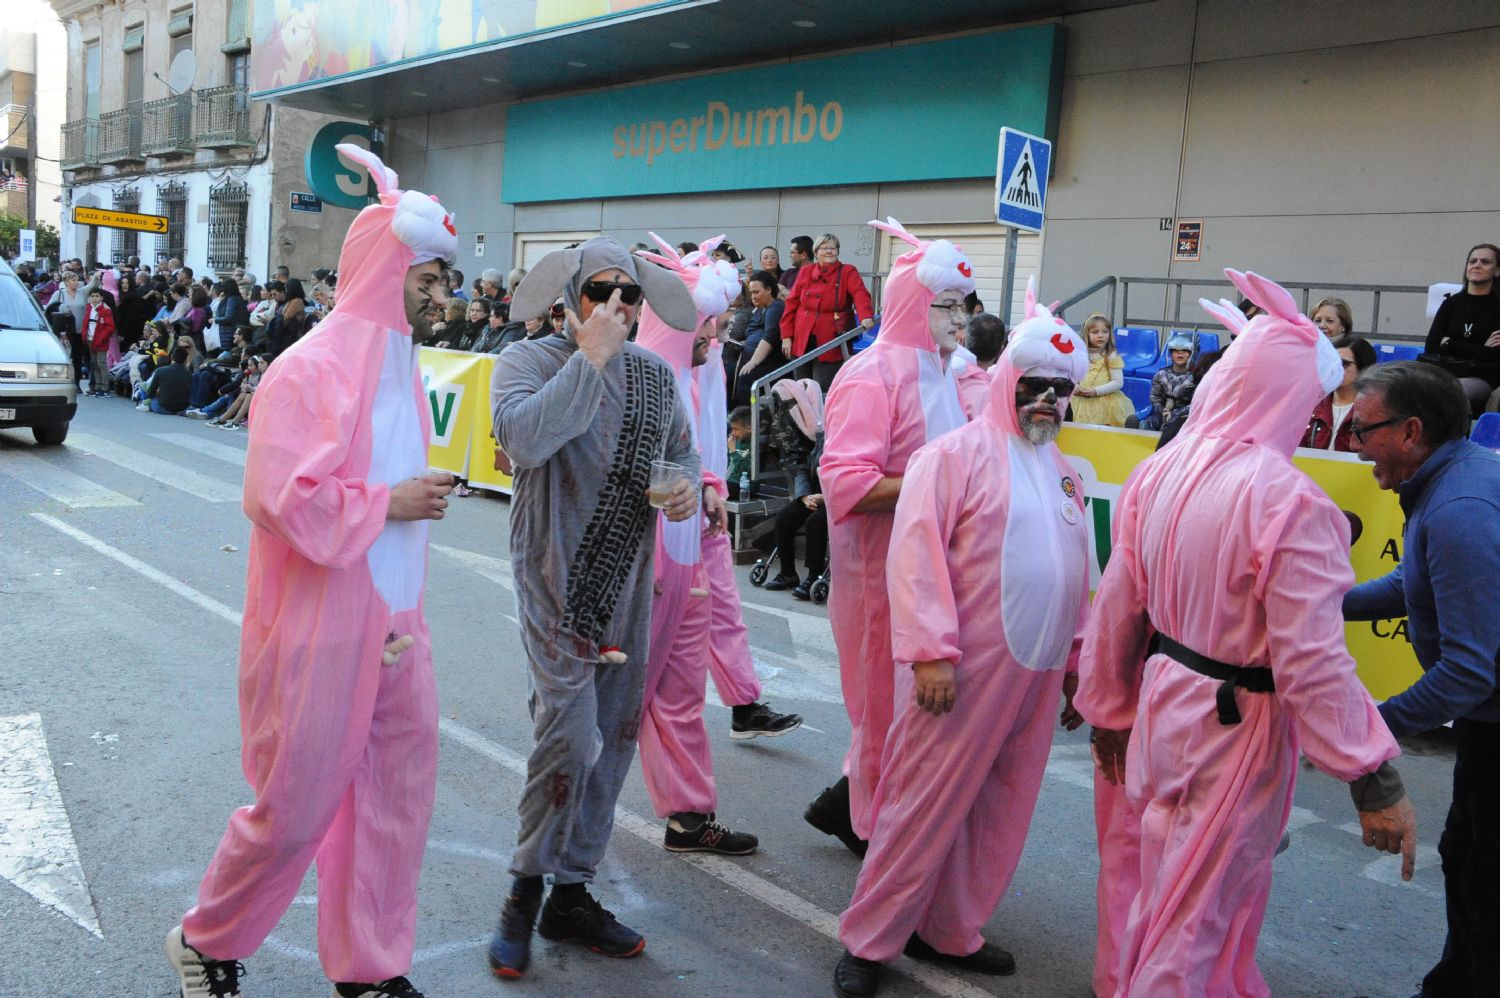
(886, 402)
(675, 755)
(1237, 562)
(991, 510)
(338, 707)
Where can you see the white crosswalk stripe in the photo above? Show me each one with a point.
(156, 468)
(68, 488)
(208, 448)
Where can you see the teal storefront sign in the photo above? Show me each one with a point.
(334, 179)
(916, 112)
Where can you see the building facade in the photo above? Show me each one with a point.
(160, 121)
(31, 101)
(1333, 142)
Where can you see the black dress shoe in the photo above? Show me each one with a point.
(781, 582)
(829, 814)
(802, 591)
(856, 978)
(988, 959)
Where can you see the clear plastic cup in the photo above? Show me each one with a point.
(664, 478)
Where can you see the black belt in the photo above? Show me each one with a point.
(1254, 680)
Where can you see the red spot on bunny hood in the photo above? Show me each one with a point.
(1062, 343)
(965, 269)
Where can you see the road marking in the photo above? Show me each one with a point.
(208, 448)
(722, 869)
(72, 490)
(182, 589)
(155, 468)
(497, 570)
(37, 850)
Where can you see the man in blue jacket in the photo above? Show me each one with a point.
(1411, 419)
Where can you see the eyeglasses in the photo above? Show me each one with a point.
(1360, 431)
(955, 310)
(1040, 386)
(599, 291)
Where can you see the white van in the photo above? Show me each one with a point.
(36, 371)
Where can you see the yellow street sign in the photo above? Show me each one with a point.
(120, 219)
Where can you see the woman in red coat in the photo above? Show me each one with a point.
(826, 301)
(1329, 428)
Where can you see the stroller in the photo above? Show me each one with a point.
(796, 422)
(761, 570)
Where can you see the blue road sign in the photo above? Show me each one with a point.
(1021, 180)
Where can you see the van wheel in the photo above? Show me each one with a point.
(50, 436)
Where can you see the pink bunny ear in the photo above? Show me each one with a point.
(1029, 309)
(1266, 293)
(708, 246)
(668, 257)
(896, 229)
(386, 181)
(1230, 317)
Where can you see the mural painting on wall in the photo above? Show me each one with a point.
(298, 41)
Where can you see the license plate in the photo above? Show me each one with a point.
(7, 414)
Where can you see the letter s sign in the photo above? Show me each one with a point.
(332, 177)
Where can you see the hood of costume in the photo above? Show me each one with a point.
(1040, 346)
(562, 273)
(1223, 544)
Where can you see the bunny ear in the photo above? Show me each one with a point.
(1029, 309)
(896, 229)
(657, 258)
(385, 178)
(1273, 297)
(668, 250)
(1230, 317)
(1054, 306)
(708, 246)
(1235, 311)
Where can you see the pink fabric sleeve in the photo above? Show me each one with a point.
(303, 430)
(856, 446)
(1113, 656)
(919, 567)
(1303, 583)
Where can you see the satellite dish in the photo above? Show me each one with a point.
(184, 68)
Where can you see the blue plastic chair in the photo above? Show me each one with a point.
(1386, 352)
(1207, 343)
(1486, 432)
(1138, 390)
(1138, 347)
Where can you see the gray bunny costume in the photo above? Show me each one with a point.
(582, 542)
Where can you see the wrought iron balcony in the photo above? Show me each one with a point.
(167, 126)
(120, 136)
(224, 117)
(80, 143)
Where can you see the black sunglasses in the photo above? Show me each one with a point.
(1039, 386)
(599, 291)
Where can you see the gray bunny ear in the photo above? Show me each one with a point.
(544, 284)
(670, 299)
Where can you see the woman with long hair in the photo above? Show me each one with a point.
(1465, 333)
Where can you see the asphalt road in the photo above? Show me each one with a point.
(122, 564)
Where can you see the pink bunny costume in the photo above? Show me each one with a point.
(1222, 545)
(885, 403)
(340, 748)
(675, 755)
(983, 511)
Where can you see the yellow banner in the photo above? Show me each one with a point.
(458, 392)
(1105, 457)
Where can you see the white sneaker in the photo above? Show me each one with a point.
(143, 407)
(200, 976)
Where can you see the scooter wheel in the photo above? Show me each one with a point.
(758, 573)
(820, 592)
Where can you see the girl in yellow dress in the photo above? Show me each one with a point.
(1099, 399)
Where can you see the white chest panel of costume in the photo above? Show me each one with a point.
(398, 558)
(1042, 571)
(941, 408)
(683, 540)
(713, 423)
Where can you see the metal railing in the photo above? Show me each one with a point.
(13, 127)
(1170, 316)
(120, 136)
(80, 143)
(167, 126)
(223, 117)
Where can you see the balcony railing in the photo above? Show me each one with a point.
(224, 117)
(167, 126)
(120, 136)
(13, 138)
(80, 143)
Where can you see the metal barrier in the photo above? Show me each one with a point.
(769, 379)
(1171, 317)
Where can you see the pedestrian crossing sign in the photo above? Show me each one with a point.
(1021, 180)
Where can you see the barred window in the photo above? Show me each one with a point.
(125, 244)
(172, 201)
(228, 212)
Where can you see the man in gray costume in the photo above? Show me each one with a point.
(581, 415)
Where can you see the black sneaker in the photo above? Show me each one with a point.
(752, 720)
(690, 832)
(988, 959)
(396, 987)
(829, 814)
(591, 925)
(856, 978)
(510, 950)
(198, 975)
